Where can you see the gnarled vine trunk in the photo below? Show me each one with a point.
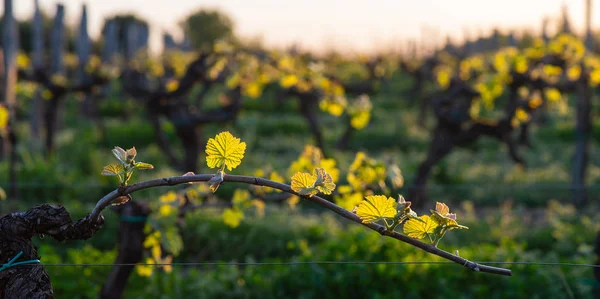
(16, 233)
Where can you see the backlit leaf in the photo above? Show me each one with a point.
(419, 229)
(376, 207)
(224, 150)
(324, 182)
(112, 170)
(120, 154)
(304, 183)
(143, 166)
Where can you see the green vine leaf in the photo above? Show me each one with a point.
(120, 154)
(444, 218)
(224, 151)
(419, 229)
(113, 170)
(143, 166)
(376, 207)
(304, 184)
(324, 183)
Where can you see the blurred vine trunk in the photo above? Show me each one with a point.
(130, 247)
(583, 130)
(309, 104)
(344, 140)
(53, 106)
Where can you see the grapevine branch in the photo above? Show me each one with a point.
(171, 181)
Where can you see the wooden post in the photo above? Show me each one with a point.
(130, 40)
(589, 36)
(57, 43)
(168, 42)
(88, 108)
(37, 38)
(52, 113)
(37, 63)
(545, 29)
(9, 99)
(83, 42)
(111, 42)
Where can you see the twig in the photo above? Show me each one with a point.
(171, 181)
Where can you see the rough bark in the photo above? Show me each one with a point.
(16, 233)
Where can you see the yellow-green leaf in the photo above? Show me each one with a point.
(143, 166)
(324, 182)
(224, 150)
(376, 207)
(419, 229)
(304, 183)
(112, 170)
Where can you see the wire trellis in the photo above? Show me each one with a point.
(197, 264)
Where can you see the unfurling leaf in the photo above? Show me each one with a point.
(324, 182)
(216, 181)
(112, 169)
(130, 154)
(143, 166)
(419, 229)
(121, 200)
(442, 208)
(376, 207)
(304, 184)
(444, 218)
(224, 151)
(120, 154)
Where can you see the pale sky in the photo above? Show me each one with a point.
(355, 25)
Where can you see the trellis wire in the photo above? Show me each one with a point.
(191, 264)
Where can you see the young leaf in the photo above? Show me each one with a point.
(324, 182)
(224, 150)
(112, 170)
(130, 154)
(419, 229)
(443, 217)
(304, 184)
(143, 166)
(376, 207)
(120, 154)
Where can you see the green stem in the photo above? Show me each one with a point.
(444, 230)
(387, 225)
